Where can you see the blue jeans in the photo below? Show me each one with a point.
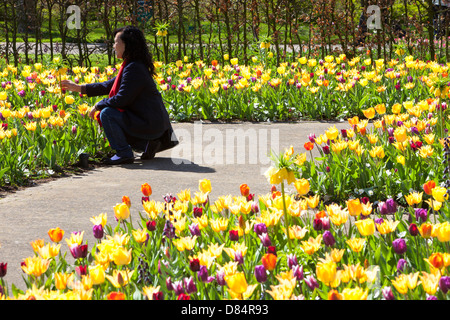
(115, 131)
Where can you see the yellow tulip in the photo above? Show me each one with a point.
(140, 235)
(440, 194)
(69, 99)
(121, 256)
(204, 186)
(120, 278)
(354, 207)
(302, 186)
(121, 211)
(312, 245)
(61, 280)
(332, 133)
(35, 266)
(387, 226)
(414, 198)
(369, 113)
(149, 291)
(366, 227)
(326, 271)
(442, 231)
(338, 216)
(430, 282)
(355, 293)
(400, 284)
(356, 244)
(237, 282)
(97, 274)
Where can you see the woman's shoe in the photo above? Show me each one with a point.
(118, 160)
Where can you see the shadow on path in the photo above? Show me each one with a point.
(169, 164)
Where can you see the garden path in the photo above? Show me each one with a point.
(70, 202)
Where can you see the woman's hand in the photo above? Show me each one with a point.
(70, 85)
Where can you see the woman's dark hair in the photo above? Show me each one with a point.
(135, 46)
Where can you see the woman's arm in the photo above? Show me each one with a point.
(90, 89)
(131, 84)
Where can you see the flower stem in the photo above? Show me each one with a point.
(285, 216)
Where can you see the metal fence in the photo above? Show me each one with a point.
(210, 29)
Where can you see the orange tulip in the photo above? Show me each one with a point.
(245, 190)
(126, 200)
(429, 186)
(425, 230)
(334, 295)
(116, 296)
(146, 189)
(436, 260)
(269, 261)
(309, 145)
(56, 234)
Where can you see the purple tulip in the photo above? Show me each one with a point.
(220, 277)
(189, 285)
(169, 230)
(265, 239)
(382, 208)
(169, 284)
(311, 282)
(198, 212)
(444, 284)
(3, 269)
(298, 272)
(387, 293)
(421, 214)
(391, 206)
(260, 228)
(401, 264)
(325, 223)
(291, 260)
(326, 149)
(178, 287)
(98, 231)
(260, 274)
(195, 230)
(203, 275)
(328, 239)
(413, 229)
(255, 207)
(317, 224)
(432, 298)
(238, 257)
(78, 251)
(399, 246)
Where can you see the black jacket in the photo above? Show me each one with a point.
(144, 111)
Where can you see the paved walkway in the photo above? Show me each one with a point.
(70, 202)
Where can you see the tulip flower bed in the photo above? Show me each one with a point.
(272, 246)
(45, 129)
(390, 157)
